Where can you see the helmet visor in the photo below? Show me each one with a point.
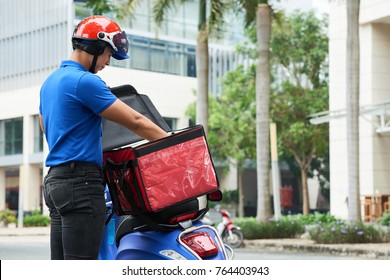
(118, 42)
(122, 44)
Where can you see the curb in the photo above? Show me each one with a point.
(364, 251)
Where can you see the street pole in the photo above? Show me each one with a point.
(275, 171)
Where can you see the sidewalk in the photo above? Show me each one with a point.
(6, 231)
(367, 251)
(364, 251)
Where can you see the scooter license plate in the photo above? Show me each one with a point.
(201, 243)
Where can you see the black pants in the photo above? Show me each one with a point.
(74, 194)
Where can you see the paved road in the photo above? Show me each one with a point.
(24, 248)
(37, 248)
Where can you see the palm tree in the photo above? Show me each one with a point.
(259, 12)
(352, 108)
(263, 28)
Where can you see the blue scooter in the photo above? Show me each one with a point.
(136, 238)
(129, 238)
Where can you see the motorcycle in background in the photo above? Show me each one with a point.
(230, 233)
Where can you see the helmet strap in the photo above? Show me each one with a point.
(94, 48)
(93, 65)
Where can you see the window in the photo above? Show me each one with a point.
(159, 56)
(171, 123)
(38, 136)
(11, 136)
(139, 48)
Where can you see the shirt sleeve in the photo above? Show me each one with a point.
(93, 92)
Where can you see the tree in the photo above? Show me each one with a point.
(299, 49)
(232, 128)
(259, 13)
(263, 81)
(352, 108)
(299, 88)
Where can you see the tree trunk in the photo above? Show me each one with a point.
(263, 27)
(352, 108)
(241, 197)
(305, 192)
(202, 69)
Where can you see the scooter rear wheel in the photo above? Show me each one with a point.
(234, 239)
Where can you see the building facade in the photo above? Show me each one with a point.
(374, 95)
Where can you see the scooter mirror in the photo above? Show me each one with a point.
(215, 196)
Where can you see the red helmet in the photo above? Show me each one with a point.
(94, 33)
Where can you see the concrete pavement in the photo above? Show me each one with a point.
(364, 251)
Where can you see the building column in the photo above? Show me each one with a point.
(29, 182)
(24, 169)
(2, 189)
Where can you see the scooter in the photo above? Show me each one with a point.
(230, 233)
(129, 238)
(143, 236)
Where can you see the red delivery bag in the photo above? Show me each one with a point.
(149, 177)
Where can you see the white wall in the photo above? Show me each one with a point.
(374, 89)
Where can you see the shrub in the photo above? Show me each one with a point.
(36, 219)
(384, 220)
(312, 219)
(344, 232)
(8, 216)
(252, 229)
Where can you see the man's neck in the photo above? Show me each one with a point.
(82, 57)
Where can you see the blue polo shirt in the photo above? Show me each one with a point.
(70, 100)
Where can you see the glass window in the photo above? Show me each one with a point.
(172, 123)
(139, 51)
(175, 59)
(11, 136)
(142, 18)
(157, 56)
(191, 62)
(38, 136)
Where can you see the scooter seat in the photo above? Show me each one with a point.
(129, 224)
(161, 220)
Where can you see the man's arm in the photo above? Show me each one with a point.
(41, 123)
(122, 114)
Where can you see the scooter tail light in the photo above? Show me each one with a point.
(201, 243)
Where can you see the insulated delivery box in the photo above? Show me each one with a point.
(163, 178)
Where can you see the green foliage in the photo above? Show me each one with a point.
(321, 227)
(384, 219)
(99, 6)
(312, 219)
(269, 230)
(230, 197)
(231, 128)
(299, 58)
(36, 219)
(7, 216)
(299, 88)
(344, 232)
